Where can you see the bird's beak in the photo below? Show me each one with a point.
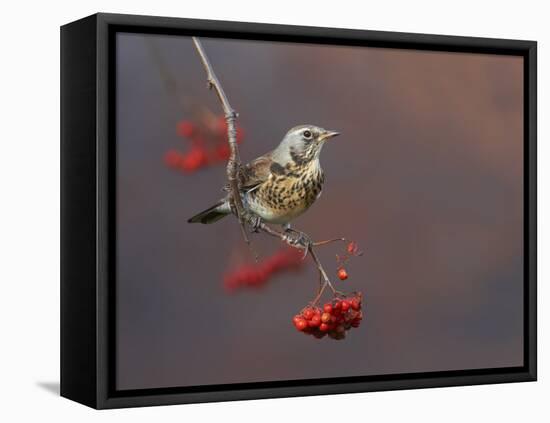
(328, 135)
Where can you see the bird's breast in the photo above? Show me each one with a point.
(283, 197)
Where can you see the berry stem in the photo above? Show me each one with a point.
(328, 241)
(323, 275)
(322, 287)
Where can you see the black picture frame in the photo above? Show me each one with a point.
(88, 163)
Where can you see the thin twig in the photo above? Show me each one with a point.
(328, 241)
(322, 287)
(321, 270)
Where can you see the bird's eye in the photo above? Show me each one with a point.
(307, 134)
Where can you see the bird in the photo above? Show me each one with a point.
(282, 184)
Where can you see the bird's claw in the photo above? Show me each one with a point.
(255, 223)
(298, 239)
(253, 220)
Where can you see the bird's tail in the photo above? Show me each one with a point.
(212, 214)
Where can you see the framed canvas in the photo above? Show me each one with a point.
(199, 260)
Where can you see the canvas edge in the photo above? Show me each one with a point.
(78, 358)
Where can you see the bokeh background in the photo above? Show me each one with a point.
(427, 177)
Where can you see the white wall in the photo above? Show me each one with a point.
(29, 168)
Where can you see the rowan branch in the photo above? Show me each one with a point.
(234, 163)
(233, 167)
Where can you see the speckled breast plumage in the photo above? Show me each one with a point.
(287, 194)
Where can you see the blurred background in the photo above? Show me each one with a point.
(427, 177)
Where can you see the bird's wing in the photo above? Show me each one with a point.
(256, 172)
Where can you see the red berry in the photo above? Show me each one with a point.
(356, 304)
(356, 322)
(308, 313)
(188, 164)
(325, 317)
(352, 247)
(301, 324)
(296, 318)
(185, 128)
(342, 274)
(327, 308)
(315, 321)
(345, 306)
(194, 159)
(323, 327)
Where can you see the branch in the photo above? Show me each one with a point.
(234, 163)
(233, 167)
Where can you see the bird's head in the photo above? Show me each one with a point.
(303, 143)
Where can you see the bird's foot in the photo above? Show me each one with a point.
(297, 239)
(253, 220)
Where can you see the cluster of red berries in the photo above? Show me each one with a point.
(352, 250)
(334, 319)
(209, 145)
(256, 275)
